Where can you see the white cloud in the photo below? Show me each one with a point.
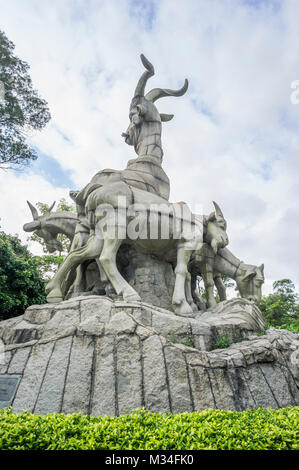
(234, 138)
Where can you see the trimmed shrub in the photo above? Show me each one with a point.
(264, 429)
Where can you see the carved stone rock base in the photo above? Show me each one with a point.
(102, 357)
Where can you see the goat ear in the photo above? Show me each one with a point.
(212, 217)
(262, 268)
(73, 194)
(248, 275)
(166, 117)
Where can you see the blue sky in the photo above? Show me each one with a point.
(143, 11)
(234, 137)
(50, 169)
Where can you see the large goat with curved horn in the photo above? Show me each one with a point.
(144, 131)
(144, 134)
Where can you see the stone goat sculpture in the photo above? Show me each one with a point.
(142, 182)
(144, 134)
(74, 226)
(205, 263)
(103, 247)
(50, 224)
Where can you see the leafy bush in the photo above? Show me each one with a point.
(281, 308)
(186, 341)
(287, 326)
(142, 430)
(21, 284)
(225, 341)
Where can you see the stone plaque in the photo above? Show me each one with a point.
(8, 387)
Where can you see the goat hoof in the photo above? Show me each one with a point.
(183, 309)
(54, 300)
(54, 296)
(132, 297)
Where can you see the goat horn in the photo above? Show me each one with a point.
(150, 71)
(51, 207)
(33, 210)
(157, 93)
(218, 210)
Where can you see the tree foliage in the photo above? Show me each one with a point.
(21, 108)
(21, 284)
(281, 308)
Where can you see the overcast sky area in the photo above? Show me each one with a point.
(234, 138)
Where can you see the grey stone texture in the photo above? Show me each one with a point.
(79, 376)
(156, 389)
(102, 357)
(51, 392)
(103, 399)
(151, 277)
(128, 373)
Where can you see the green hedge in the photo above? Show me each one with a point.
(142, 430)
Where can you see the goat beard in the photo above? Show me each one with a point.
(216, 244)
(134, 133)
(54, 245)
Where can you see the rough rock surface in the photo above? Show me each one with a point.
(150, 276)
(103, 357)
